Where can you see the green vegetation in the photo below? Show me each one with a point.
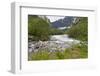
(38, 28)
(80, 30)
(75, 52)
(55, 31)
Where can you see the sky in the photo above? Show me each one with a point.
(54, 18)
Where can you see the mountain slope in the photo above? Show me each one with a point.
(67, 21)
(38, 28)
(79, 30)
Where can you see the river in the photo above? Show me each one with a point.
(63, 38)
(55, 42)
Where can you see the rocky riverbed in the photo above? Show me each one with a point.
(56, 42)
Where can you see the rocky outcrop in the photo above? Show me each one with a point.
(44, 18)
(76, 20)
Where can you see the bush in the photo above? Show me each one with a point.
(77, 51)
(40, 55)
(60, 55)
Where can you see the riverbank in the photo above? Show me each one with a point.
(58, 47)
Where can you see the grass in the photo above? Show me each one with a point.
(75, 52)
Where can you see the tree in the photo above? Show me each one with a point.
(38, 28)
(80, 30)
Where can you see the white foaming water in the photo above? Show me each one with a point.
(63, 38)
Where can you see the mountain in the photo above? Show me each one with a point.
(76, 20)
(67, 21)
(44, 18)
